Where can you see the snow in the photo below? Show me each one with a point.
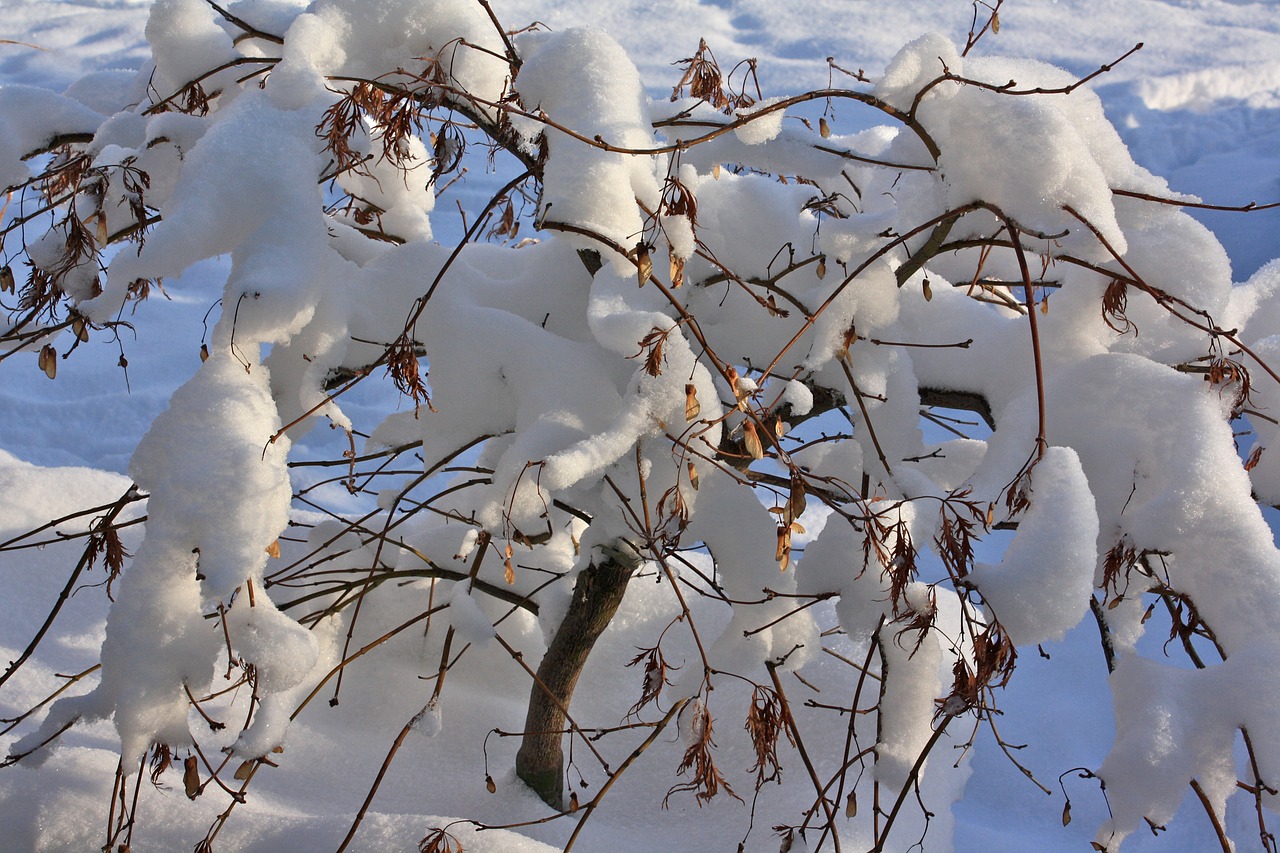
(186, 42)
(48, 116)
(545, 356)
(1041, 588)
(585, 77)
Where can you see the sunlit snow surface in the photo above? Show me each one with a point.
(1199, 105)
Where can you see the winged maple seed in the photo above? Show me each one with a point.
(691, 407)
(191, 777)
(644, 264)
(676, 269)
(48, 361)
(673, 515)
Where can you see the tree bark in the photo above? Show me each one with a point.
(596, 597)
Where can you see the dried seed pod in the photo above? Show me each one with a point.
(490, 785)
(644, 263)
(191, 777)
(751, 440)
(244, 771)
(693, 476)
(796, 500)
(824, 128)
(691, 406)
(48, 361)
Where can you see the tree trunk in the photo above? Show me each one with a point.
(596, 596)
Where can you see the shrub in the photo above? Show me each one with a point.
(689, 339)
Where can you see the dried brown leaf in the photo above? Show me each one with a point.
(707, 779)
(652, 346)
(161, 760)
(1114, 301)
(440, 841)
(767, 718)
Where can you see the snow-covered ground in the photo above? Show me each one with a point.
(1199, 104)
